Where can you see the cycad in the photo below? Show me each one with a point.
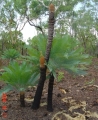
(66, 54)
(34, 53)
(10, 54)
(19, 77)
(39, 90)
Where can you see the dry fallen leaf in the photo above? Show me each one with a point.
(68, 117)
(74, 104)
(78, 105)
(43, 104)
(66, 99)
(28, 100)
(63, 91)
(91, 114)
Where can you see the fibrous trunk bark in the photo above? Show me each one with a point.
(38, 94)
(50, 35)
(50, 92)
(48, 50)
(22, 97)
(39, 90)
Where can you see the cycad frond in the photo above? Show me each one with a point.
(10, 54)
(66, 53)
(20, 76)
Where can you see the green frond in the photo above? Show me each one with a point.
(66, 54)
(10, 54)
(38, 45)
(7, 88)
(19, 75)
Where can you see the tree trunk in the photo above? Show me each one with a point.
(50, 35)
(50, 92)
(22, 96)
(48, 50)
(39, 90)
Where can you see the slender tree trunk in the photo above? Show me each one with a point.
(50, 92)
(22, 96)
(48, 50)
(50, 35)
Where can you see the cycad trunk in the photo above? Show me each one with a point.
(48, 50)
(39, 90)
(22, 96)
(50, 35)
(50, 92)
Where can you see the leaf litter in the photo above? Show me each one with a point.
(74, 105)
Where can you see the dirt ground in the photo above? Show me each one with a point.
(74, 98)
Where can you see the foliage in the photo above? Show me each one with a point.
(66, 54)
(12, 39)
(83, 27)
(60, 76)
(10, 54)
(10, 29)
(36, 46)
(5, 89)
(78, 19)
(20, 76)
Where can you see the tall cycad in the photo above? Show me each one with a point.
(65, 55)
(61, 53)
(50, 31)
(48, 50)
(43, 68)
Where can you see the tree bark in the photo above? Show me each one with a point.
(22, 96)
(39, 90)
(48, 50)
(50, 35)
(50, 92)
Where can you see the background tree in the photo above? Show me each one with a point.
(10, 26)
(77, 18)
(84, 24)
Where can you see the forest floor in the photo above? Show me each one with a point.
(74, 98)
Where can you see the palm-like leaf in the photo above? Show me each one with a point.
(65, 54)
(5, 89)
(35, 48)
(10, 54)
(20, 76)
